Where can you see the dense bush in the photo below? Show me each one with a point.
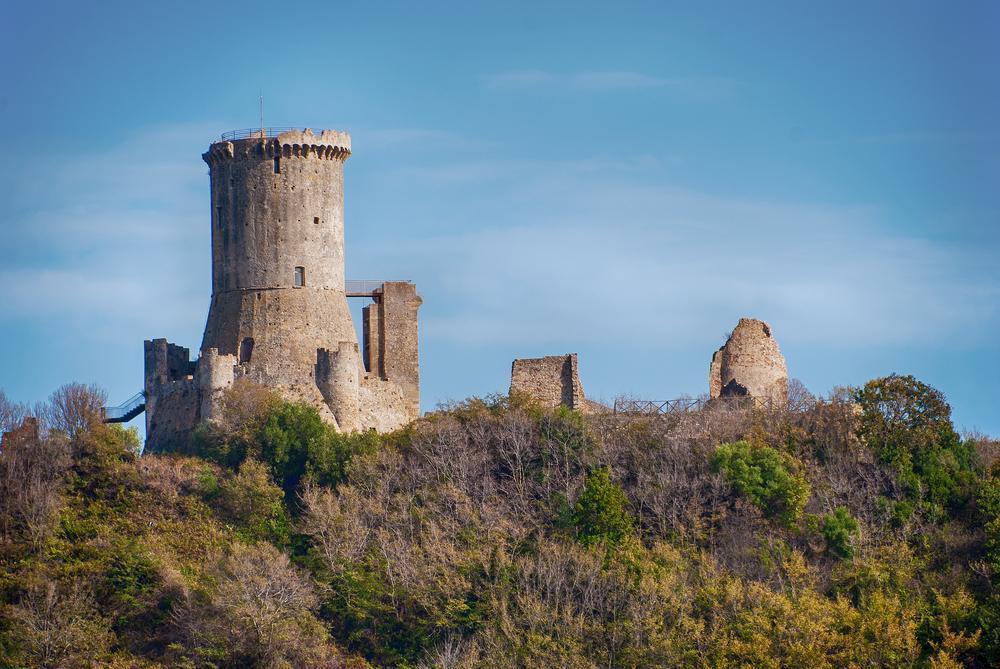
(839, 528)
(290, 437)
(766, 476)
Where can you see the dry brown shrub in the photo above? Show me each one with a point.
(32, 468)
(257, 610)
(75, 407)
(11, 413)
(58, 626)
(172, 476)
(244, 404)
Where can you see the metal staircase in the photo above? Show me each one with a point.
(127, 410)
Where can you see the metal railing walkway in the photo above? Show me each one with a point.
(688, 404)
(362, 287)
(127, 410)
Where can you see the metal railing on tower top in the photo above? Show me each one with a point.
(251, 133)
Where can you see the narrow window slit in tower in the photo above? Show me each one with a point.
(218, 214)
(300, 277)
(316, 220)
(277, 164)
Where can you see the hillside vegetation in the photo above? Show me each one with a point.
(859, 530)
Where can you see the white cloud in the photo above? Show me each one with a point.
(618, 253)
(114, 242)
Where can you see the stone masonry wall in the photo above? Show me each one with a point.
(371, 334)
(172, 415)
(173, 403)
(400, 358)
(25, 433)
(750, 363)
(552, 380)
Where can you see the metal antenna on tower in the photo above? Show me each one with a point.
(262, 114)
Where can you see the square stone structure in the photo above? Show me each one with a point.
(279, 315)
(553, 381)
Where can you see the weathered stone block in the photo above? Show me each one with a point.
(552, 380)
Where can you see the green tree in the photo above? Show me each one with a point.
(290, 438)
(839, 528)
(766, 476)
(255, 504)
(601, 513)
(908, 425)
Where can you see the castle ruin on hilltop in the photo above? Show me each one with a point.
(748, 370)
(279, 314)
(749, 364)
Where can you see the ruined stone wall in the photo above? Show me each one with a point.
(750, 363)
(382, 405)
(552, 380)
(25, 433)
(173, 401)
(215, 374)
(338, 376)
(400, 358)
(371, 334)
(715, 374)
(173, 416)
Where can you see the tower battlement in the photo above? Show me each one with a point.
(328, 144)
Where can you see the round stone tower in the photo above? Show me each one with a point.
(750, 363)
(278, 255)
(279, 314)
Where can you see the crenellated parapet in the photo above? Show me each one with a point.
(327, 145)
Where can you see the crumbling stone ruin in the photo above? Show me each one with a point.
(553, 380)
(25, 433)
(279, 313)
(749, 363)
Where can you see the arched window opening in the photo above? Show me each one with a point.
(246, 349)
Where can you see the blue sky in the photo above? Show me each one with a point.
(624, 180)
